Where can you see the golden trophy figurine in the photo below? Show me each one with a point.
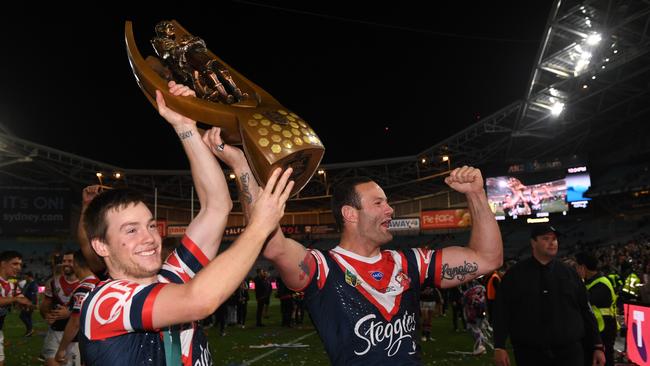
(271, 135)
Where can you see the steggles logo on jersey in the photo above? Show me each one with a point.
(387, 335)
(377, 275)
(351, 279)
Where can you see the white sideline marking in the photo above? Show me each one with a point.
(246, 363)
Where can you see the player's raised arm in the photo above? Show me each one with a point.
(484, 253)
(207, 227)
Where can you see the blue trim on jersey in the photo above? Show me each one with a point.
(171, 276)
(137, 306)
(189, 259)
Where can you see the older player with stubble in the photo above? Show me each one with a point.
(364, 300)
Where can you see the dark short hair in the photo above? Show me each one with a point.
(345, 194)
(588, 260)
(8, 255)
(95, 216)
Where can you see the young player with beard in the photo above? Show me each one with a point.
(364, 300)
(54, 307)
(147, 312)
(68, 351)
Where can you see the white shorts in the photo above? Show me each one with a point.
(2, 346)
(427, 305)
(51, 345)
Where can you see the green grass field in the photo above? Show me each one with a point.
(234, 347)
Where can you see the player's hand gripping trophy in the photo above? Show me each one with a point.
(271, 135)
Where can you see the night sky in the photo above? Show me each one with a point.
(370, 81)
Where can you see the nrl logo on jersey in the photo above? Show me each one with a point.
(351, 279)
(377, 275)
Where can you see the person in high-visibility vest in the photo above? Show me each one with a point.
(602, 298)
(492, 288)
(629, 291)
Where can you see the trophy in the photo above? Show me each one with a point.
(271, 135)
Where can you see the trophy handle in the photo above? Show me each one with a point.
(198, 109)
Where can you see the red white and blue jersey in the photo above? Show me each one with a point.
(7, 289)
(117, 318)
(60, 290)
(80, 293)
(366, 310)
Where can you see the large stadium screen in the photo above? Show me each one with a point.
(510, 197)
(577, 181)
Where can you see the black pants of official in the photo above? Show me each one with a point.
(567, 355)
(456, 313)
(242, 308)
(286, 308)
(608, 335)
(260, 309)
(26, 317)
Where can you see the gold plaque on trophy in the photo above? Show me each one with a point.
(271, 135)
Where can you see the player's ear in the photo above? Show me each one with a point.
(350, 214)
(100, 247)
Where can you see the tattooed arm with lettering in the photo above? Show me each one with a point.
(207, 228)
(295, 264)
(485, 250)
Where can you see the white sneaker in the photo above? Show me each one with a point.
(479, 350)
(424, 339)
(432, 339)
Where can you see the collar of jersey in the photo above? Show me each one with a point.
(347, 253)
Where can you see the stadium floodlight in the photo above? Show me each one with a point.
(557, 108)
(584, 57)
(100, 175)
(594, 39)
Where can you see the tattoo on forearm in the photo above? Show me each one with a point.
(245, 190)
(185, 134)
(460, 272)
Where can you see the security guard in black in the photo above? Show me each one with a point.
(542, 305)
